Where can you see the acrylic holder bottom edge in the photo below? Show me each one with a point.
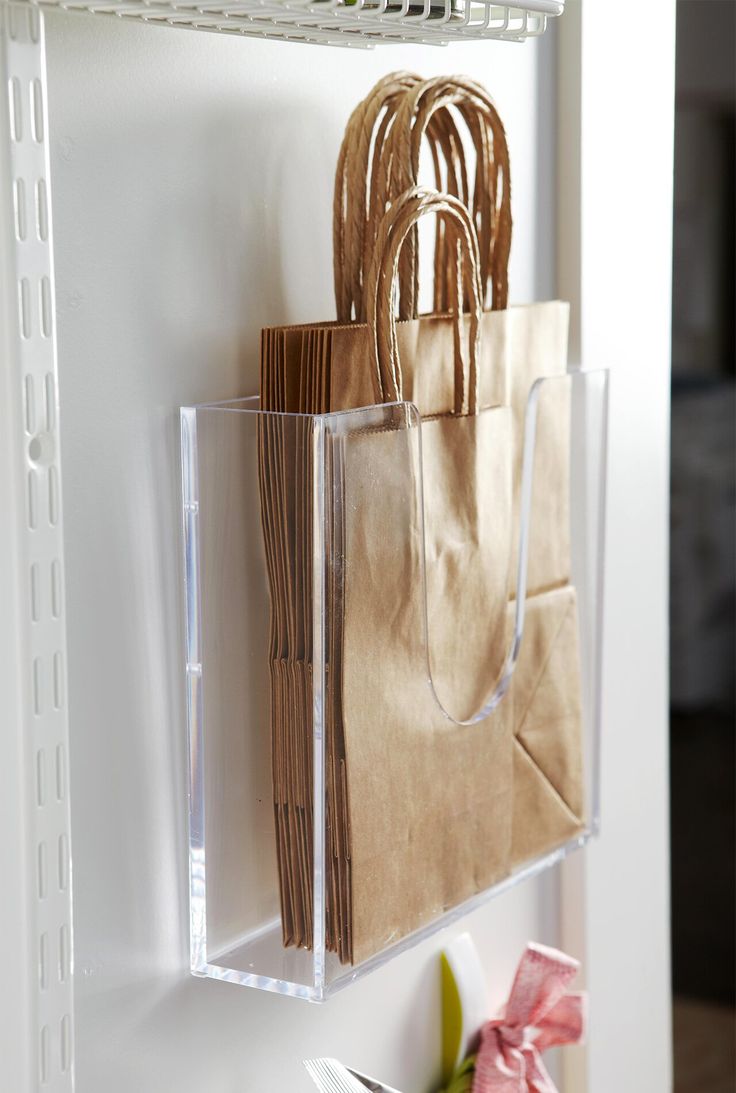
(365, 484)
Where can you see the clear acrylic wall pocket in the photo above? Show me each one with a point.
(393, 656)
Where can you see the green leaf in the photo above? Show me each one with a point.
(462, 1078)
(452, 1020)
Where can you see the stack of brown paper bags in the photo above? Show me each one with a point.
(295, 380)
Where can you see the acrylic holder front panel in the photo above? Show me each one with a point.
(417, 649)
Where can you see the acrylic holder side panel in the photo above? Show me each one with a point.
(235, 916)
(378, 531)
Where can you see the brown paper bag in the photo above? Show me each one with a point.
(318, 368)
(440, 811)
(356, 826)
(292, 387)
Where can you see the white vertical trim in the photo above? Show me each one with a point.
(35, 907)
(616, 99)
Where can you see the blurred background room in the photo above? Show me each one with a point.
(703, 550)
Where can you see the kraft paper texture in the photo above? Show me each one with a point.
(421, 535)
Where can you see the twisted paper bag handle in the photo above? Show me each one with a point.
(379, 160)
(425, 107)
(397, 223)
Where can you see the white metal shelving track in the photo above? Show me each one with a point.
(32, 627)
(354, 23)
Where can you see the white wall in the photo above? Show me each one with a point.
(615, 189)
(192, 197)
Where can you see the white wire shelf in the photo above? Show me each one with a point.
(356, 23)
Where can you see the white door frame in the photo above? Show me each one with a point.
(616, 87)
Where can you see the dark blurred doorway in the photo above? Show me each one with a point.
(703, 550)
